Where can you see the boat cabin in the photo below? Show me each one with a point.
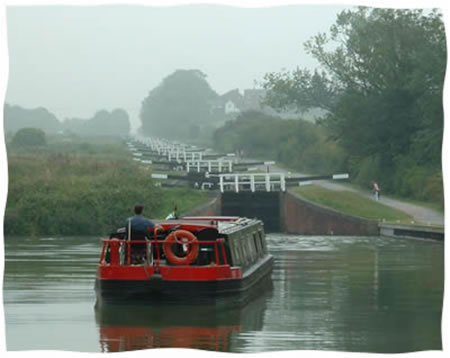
(198, 257)
(194, 241)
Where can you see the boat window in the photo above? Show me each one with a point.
(251, 247)
(262, 240)
(244, 250)
(236, 254)
(257, 244)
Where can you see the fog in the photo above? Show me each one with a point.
(75, 60)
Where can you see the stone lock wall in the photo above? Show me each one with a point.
(300, 216)
(286, 212)
(262, 205)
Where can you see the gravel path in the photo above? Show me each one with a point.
(420, 214)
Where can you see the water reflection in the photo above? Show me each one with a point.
(362, 294)
(133, 326)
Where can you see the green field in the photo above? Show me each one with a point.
(351, 203)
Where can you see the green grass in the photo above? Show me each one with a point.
(426, 204)
(168, 172)
(83, 192)
(351, 203)
(185, 199)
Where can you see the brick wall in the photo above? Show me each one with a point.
(300, 216)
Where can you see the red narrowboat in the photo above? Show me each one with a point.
(193, 257)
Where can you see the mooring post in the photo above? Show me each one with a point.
(221, 183)
(252, 183)
(267, 182)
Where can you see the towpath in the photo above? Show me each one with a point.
(420, 214)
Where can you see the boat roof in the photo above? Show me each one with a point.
(234, 226)
(223, 224)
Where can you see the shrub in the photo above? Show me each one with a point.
(29, 138)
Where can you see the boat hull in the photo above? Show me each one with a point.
(157, 288)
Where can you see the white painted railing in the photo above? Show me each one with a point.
(217, 165)
(252, 182)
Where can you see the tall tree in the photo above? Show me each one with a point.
(178, 106)
(381, 81)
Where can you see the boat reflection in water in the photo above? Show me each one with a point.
(207, 326)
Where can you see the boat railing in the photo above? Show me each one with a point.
(118, 252)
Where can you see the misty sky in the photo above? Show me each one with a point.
(77, 60)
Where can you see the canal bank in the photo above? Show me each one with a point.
(412, 231)
(291, 213)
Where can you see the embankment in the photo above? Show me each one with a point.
(290, 213)
(286, 212)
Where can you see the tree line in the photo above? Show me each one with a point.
(380, 83)
(103, 123)
(296, 144)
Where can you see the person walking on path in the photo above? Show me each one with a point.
(376, 190)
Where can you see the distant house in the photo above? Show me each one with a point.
(231, 103)
(231, 108)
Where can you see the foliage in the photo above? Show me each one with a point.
(29, 138)
(78, 193)
(106, 124)
(297, 144)
(178, 106)
(103, 123)
(351, 203)
(100, 147)
(16, 117)
(184, 199)
(381, 82)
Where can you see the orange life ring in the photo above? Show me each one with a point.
(181, 237)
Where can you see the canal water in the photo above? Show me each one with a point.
(360, 294)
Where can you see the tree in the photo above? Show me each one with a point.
(29, 138)
(16, 117)
(381, 81)
(296, 143)
(102, 124)
(114, 124)
(181, 102)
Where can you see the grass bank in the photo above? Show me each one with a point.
(87, 190)
(351, 203)
(436, 206)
